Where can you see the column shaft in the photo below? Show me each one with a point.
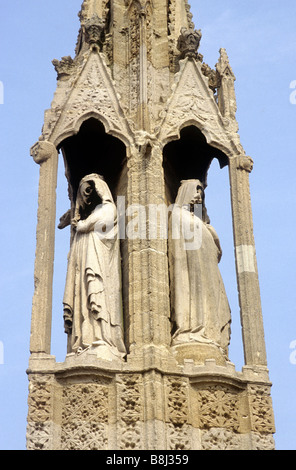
(246, 263)
(46, 155)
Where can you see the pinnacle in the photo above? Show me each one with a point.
(92, 8)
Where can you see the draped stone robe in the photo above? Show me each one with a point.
(92, 297)
(200, 308)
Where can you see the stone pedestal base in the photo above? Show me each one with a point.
(199, 353)
(88, 404)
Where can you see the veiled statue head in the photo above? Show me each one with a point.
(192, 192)
(92, 191)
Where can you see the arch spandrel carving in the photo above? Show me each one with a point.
(90, 92)
(192, 102)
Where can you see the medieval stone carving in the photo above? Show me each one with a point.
(39, 436)
(92, 299)
(212, 76)
(85, 416)
(179, 431)
(130, 412)
(192, 100)
(42, 151)
(226, 91)
(262, 441)
(245, 163)
(188, 43)
(261, 410)
(218, 408)
(200, 309)
(94, 29)
(220, 439)
(64, 67)
(39, 429)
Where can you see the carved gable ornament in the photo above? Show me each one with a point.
(88, 93)
(193, 103)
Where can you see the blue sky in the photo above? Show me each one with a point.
(260, 38)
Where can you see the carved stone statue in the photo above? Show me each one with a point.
(200, 309)
(92, 298)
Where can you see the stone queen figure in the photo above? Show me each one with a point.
(92, 298)
(200, 309)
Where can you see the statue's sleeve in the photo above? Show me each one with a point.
(216, 240)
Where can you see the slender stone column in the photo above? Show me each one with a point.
(149, 307)
(46, 155)
(143, 74)
(246, 264)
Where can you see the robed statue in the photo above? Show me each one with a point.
(92, 298)
(200, 308)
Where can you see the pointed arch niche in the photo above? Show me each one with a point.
(191, 157)
(188, 157)
(90, 150)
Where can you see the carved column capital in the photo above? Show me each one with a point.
(42, 151)
(144, 141)
(245, 163)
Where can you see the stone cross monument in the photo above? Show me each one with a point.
(137, 118)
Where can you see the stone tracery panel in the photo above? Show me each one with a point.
(85, 416)
(40, 403)
(218, 407)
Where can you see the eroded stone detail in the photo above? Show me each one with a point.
(220, 439)
(64, 67)
(188, 43)
(262, 441)
(94, 29)
(245, 163)
(40, 399)
(40, 402)
(262, 419)
(85, 416)
(92, 93)
(130, 413)
(39, 436)
(179, 429)
(218, 408)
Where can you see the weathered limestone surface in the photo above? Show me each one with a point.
(139, 84)
(80, 404)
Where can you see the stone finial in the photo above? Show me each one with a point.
(189, 15)
(94, 29)
(226, 90)
(188, 43)
(90, 8)
(64, 67)
(223, 66)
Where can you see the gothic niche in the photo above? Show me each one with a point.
(92, 304)
(200, 313)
